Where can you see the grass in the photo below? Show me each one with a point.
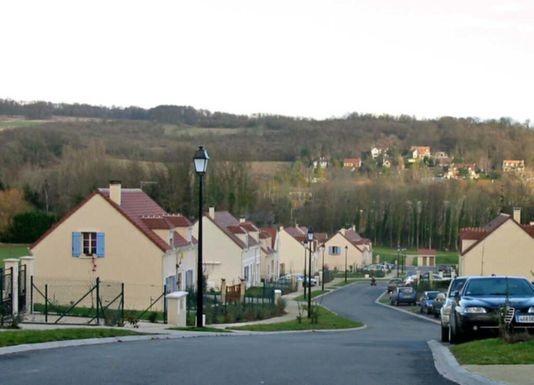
(343, 283)
(326, 320)
(204, 329)
(12, 251)
(88, 312)
(388, 254)
(314, 294)
(494, 351)
(16, 123)
(18, 337)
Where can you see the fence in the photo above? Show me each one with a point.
(6, 295)
(76, 302)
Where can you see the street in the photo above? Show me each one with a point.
(391, 350)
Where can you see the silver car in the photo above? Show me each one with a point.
(445, 312)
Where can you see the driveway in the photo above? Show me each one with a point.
(392, 350)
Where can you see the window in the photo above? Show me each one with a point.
(334, 250)
(189, 279)
(247, 274)
(89, 243)
(179, 280)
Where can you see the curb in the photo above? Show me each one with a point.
(377, 301)
(448, 367)
(249, 332)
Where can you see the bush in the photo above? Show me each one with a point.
(153, 316)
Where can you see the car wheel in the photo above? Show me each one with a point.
(444, 334)
(428, 310)
(455, 336)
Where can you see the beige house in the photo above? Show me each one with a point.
(270, 264)
(231, 249)
(513, 165)
(293, 249)
(121, 236)
(419, 152)
(502, 247)
(358, 250)
(423, 257)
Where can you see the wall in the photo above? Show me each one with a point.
(507, 251)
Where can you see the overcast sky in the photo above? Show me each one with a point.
(305, 58)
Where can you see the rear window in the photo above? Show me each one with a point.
(513, 287)
(406, 290)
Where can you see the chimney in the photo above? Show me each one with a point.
(211, 212)
(281, 228)
(342, 231)
(242, 220)
(517, 214)
(115, 191)
(353, 227)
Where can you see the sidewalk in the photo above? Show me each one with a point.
(509, 374)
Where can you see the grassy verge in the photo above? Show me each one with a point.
(388, 254)
(314, 294)
(204, 329)
(326, 320)
(343, 283)
(18, 337)
(12, 251)
(494, 351)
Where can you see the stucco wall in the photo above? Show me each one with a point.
(130, 257)
(507, 251)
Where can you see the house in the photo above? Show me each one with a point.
(440, 155)
(352, 163)
(386, 163)
(462, 170)
(422, 257)
(231, 249)
(270, 264)
(347, 242)
(119, 235)
(320, 163)
(420, 152)
(293, 248)
(376, 152)
(513, 165)
(503, 247)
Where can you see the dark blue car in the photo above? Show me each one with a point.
(403, 294)
(427, 301)
(476, 308)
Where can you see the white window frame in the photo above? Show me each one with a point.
(91, 243)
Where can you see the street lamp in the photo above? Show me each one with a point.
(398, 260)
(200, 160)
(322, 279)
(309, 237)
(346, 251)
(304, 276)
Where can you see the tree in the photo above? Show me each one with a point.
(28, 227)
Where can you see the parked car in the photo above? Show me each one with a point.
(477, 306)
(427, 301)
(438, 303)
(403, 294)
(393, 283)
(454, 287)
(411, 280)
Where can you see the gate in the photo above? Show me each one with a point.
(6, 295)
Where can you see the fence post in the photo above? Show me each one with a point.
(97, 300)
(13, 265)
(46, 302)
(165, 303)
(28, 262)
(223, 290)
(242, 289)
(122, 303)
(31, 294)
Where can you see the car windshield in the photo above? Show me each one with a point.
(406, 290)
(457, 285)
(513, 287)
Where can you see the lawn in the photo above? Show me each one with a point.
(388, 254)
(326, 320)
(314, 294)
(494, 351)
(17, 337)
(12, 251)
(349, 281)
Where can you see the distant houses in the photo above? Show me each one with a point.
(419, 152)
(513, 165)
(352, 164)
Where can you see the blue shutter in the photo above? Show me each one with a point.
(76, 244)
(100, 245)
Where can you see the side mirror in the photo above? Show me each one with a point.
(454, 294)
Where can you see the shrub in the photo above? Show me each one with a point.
(153, 316)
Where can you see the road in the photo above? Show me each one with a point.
(392, 350)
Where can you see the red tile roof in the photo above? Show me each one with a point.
(269, 232)
(231, 226)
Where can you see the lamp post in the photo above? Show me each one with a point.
(398, 260)
(322, 279)
(200, 160)
(310, 241)
(304, 276)
(346, 251)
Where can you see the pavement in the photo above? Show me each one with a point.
(392, 350)
(509, 374)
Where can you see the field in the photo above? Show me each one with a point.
(12, 251)
(388, 254)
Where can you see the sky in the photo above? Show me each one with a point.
(301, 58)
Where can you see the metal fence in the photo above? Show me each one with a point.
(6, 295)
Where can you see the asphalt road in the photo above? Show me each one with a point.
(392, 350)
